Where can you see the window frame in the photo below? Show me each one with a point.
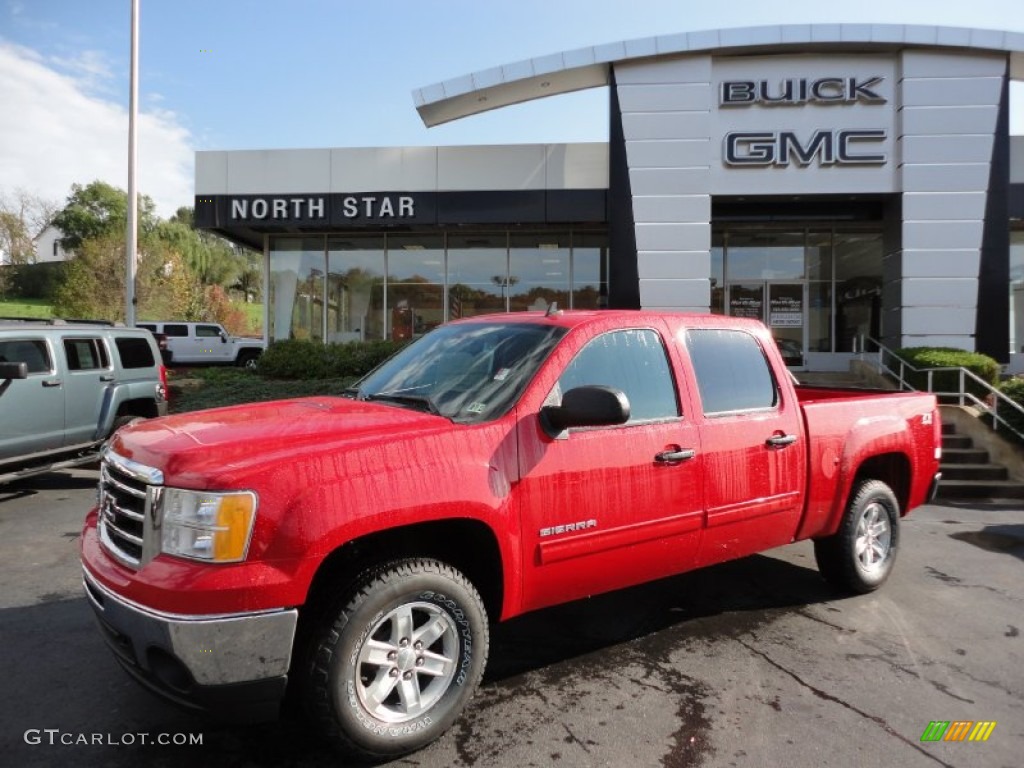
(680, 416)
(776, 389)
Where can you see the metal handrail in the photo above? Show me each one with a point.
(990, 405)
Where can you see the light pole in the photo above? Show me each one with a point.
(132, 234)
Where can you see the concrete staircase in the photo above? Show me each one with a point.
(968, 471)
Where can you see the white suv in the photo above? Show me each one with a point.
(191, 343)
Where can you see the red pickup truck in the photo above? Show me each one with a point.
(356, 547)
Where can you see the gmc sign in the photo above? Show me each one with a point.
(782, 148)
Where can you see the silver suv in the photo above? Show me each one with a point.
(66, 387)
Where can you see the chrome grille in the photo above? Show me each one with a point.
(127, 493)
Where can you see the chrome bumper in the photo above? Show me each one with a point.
(199, 661)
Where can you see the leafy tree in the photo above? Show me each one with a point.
(99, 209)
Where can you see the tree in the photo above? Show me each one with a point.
(99, 209)
(22, 217)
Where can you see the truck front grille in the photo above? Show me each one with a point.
(127, 493)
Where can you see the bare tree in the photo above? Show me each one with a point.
(23, 215)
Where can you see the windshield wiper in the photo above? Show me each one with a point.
(424, 402)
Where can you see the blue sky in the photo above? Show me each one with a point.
(247, 74)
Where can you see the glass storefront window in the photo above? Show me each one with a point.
(538, 270)
(415, 285)
(297, 267)
(819, 320)
(858, 281)
(766, 255)
(1017, 291)
(717, 273)
(355, 288)
(364, 286)
(589, 271)
(477, 274)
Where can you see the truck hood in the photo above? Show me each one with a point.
(200, 446)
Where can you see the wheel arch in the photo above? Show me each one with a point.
(467, 545)
(894, 469)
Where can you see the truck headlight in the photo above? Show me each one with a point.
(213, 527)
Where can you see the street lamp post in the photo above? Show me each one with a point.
(132, 234)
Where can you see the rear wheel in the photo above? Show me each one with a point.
(397, 659)
(861, 554)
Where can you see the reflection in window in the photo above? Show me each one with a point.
(296, 288)
(631, 361)
(355, 288)
(766, 255)
(477, 274)
(717, 273)
(732, 372)
(415, 285)
(858, 271)
(1017, 291)
(589, 271)
(538, 270)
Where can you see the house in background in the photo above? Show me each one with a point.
(48, 247)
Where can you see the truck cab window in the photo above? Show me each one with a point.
(732, 372)
(633, 361)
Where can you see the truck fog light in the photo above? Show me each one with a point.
(214, 527)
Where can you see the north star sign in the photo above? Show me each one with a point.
(829, 146)
(305, 207)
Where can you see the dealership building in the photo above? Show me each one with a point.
(838, 182)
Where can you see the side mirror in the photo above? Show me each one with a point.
(13, 371)
(223, 337)
(589, 406)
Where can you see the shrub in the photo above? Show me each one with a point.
(299, 359)
(982, 366)
(1013, 389)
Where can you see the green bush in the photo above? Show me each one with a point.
(295, 359)
(982, 366)
(1013, 389)
(35, 281)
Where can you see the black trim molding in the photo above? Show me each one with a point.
(624, 274)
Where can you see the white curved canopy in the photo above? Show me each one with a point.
(590, 67)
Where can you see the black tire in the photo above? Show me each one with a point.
(248, 360)
(375, 690)
(861, 554)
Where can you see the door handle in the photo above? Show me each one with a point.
(51, 383)
(671, 457)
(780, 441)
(107, 377)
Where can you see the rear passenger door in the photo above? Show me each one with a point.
(32, 409)
(180, 344)
(89, 376)
(751, 436)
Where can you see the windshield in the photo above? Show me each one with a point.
(468, 373)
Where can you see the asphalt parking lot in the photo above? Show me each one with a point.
(751, 663)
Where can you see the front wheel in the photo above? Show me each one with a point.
(398, 659)
(860, 555)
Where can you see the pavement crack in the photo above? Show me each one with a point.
(880, 722)
(572, 738)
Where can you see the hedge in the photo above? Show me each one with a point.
(1013, 389)
(298, 359)
(982, 366)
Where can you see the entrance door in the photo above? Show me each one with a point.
(779, 305)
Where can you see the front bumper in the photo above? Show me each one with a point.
(234, 665)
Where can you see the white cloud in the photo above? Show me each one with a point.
(54, 132)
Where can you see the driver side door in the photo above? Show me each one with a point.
(605, 507)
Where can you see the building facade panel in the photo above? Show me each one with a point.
(371, 169)
(939, 206)
(668, 153)
(689, 236)
(676, 265)
(653, 209)
(955, 119)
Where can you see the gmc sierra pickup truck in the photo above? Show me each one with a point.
(357, 547)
